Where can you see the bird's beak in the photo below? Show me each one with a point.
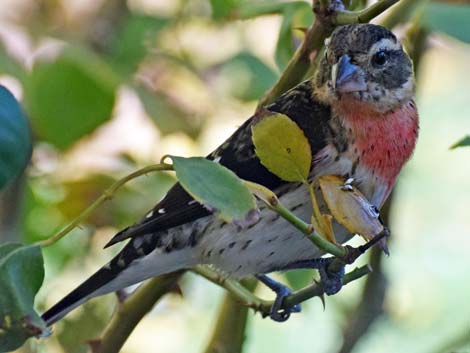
(347, 77)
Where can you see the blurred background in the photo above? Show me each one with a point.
(113, 85)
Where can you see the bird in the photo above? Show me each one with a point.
(360, 118)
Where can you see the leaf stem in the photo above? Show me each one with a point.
(271, 200)
(106, 195)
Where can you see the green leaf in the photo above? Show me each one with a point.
(132, 43)
(217, 188)
(282, 147)
(284, 45)
(70, 97)
(167, 115)
(15, 138)
(222, 9)
(451, 19)
(21, 276)
(464, 142)
(247, 76)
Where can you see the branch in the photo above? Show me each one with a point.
(299, 64)
(362, 16)
(329, 13)
(401, 12)
(248, 299)
(229, 331)
(107, 195)
(133, 309)
(370, 306)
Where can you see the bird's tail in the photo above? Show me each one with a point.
(78, 296)
(127, 268)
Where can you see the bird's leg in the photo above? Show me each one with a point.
(278, 313)
(332, 272)
(331, 276)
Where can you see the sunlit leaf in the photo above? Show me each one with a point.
(282, 147)
(21, 276)
(452, 19)
(350, 207)
(464, 142)
(15, 138)
(70, 97)
(216, 187)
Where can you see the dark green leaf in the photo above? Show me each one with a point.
(132, 43)
(21, 276)
(217, 187)
(451, 19)
(284, 45)
(464, 142)
(15, 138)
(70, 97)
(248, 76)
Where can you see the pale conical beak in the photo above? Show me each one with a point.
(347, 77)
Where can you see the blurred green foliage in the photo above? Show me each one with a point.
(15, 138)
(73, 90)
(21, 276)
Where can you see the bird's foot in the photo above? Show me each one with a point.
(331, 279)
(331, 274)
(278, 312)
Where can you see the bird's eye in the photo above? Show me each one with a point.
(379, 58)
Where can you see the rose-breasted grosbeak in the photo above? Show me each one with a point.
(361, 121)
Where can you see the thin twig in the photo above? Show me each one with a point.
(106, 195)
(362, 16)
(271, 200)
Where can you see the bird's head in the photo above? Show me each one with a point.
(365, 68)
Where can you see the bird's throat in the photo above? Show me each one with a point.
(384, 142)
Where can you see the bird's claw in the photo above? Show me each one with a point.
(331, 281)
(278, 312)
(347, 186)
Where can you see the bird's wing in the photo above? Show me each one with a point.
(237, 154)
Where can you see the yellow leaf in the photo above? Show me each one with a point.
(282, 147)
(350, 207)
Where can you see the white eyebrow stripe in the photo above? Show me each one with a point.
(385, 43)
